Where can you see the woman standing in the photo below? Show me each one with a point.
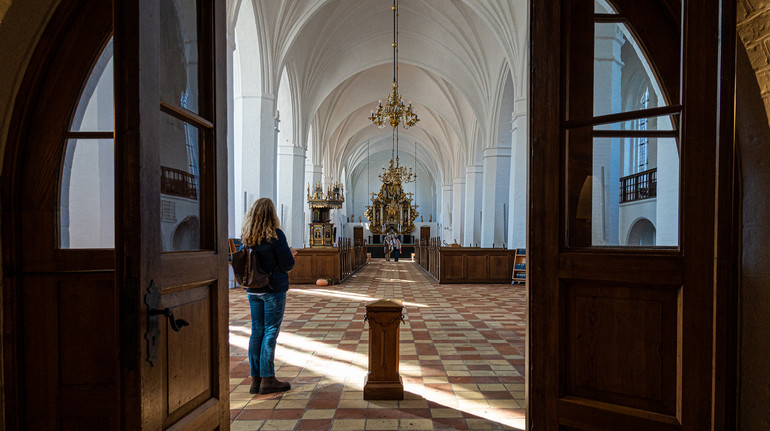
(388, 247)
(261, 231)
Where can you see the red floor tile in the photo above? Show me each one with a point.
(350, 414)
(314, 424)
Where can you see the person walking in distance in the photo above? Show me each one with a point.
(396, 248)
(388, 247)
(262, 232)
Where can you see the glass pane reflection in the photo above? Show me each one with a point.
(87, 194)
(179, 53)
(623, 80)
(602, 6)
(659, 123)
(96, 111)
(179, 187)
(634, 193)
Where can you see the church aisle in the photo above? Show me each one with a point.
(461, 359)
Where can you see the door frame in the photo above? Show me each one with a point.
(65, 29)
(545, 193)
(34, 75)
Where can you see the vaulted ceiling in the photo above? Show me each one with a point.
(457, 58)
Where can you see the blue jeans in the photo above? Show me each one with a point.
(396, 252)
(266, 317)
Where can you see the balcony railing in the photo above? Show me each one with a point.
(643, 185)
(178, 183)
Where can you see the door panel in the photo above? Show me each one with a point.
(87, 366)
(172, 246)
(623, 337)
(618, 346)
(190, 355)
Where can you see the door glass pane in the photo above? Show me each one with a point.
(631, 197)
(601, 6)
(660, 123)
(87, 194)
(623, 79)
(179, 53)
(95, 110)
(179, 185)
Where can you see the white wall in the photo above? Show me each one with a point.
(633, 211)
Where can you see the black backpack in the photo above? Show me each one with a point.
(247, 271)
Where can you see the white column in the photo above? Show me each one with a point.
(517, 195)
(667, 205)
(292, 193)
(258, 138)
(497, 163)
(472, 216)
(313, 174)
(606, 163)
(446, 214)
(233, 230)
(458, 210)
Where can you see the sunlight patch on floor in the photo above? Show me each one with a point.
(346, 295)
(350, 368)
(394, 280)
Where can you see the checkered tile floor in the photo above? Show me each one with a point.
(461, 359)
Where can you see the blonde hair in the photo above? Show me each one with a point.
(260, 222)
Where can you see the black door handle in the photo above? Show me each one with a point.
(176, 324)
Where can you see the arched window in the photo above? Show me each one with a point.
(87, 184)
(634, 162)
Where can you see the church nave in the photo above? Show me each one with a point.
(461, 356)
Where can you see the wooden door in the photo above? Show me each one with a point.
(60, 301)
(171, 188)
(358, 235)
(424, 232)
(623, 337)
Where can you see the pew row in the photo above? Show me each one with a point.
(454, 265)
(327, 262)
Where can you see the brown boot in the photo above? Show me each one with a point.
(255, 382)
(271, 384)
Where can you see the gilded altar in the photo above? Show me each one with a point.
(392, 210)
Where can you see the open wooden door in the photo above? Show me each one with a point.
(630, 190)
(171, 190)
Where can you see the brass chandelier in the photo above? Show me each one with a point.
(394, 111)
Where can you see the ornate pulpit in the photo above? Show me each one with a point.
(322, 230)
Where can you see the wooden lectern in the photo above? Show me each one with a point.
(383, 381)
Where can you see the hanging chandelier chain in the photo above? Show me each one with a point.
(393, 144)
(394, 112)
(392, 210)
(395, 41)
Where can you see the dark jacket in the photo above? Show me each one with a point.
(274, 255)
